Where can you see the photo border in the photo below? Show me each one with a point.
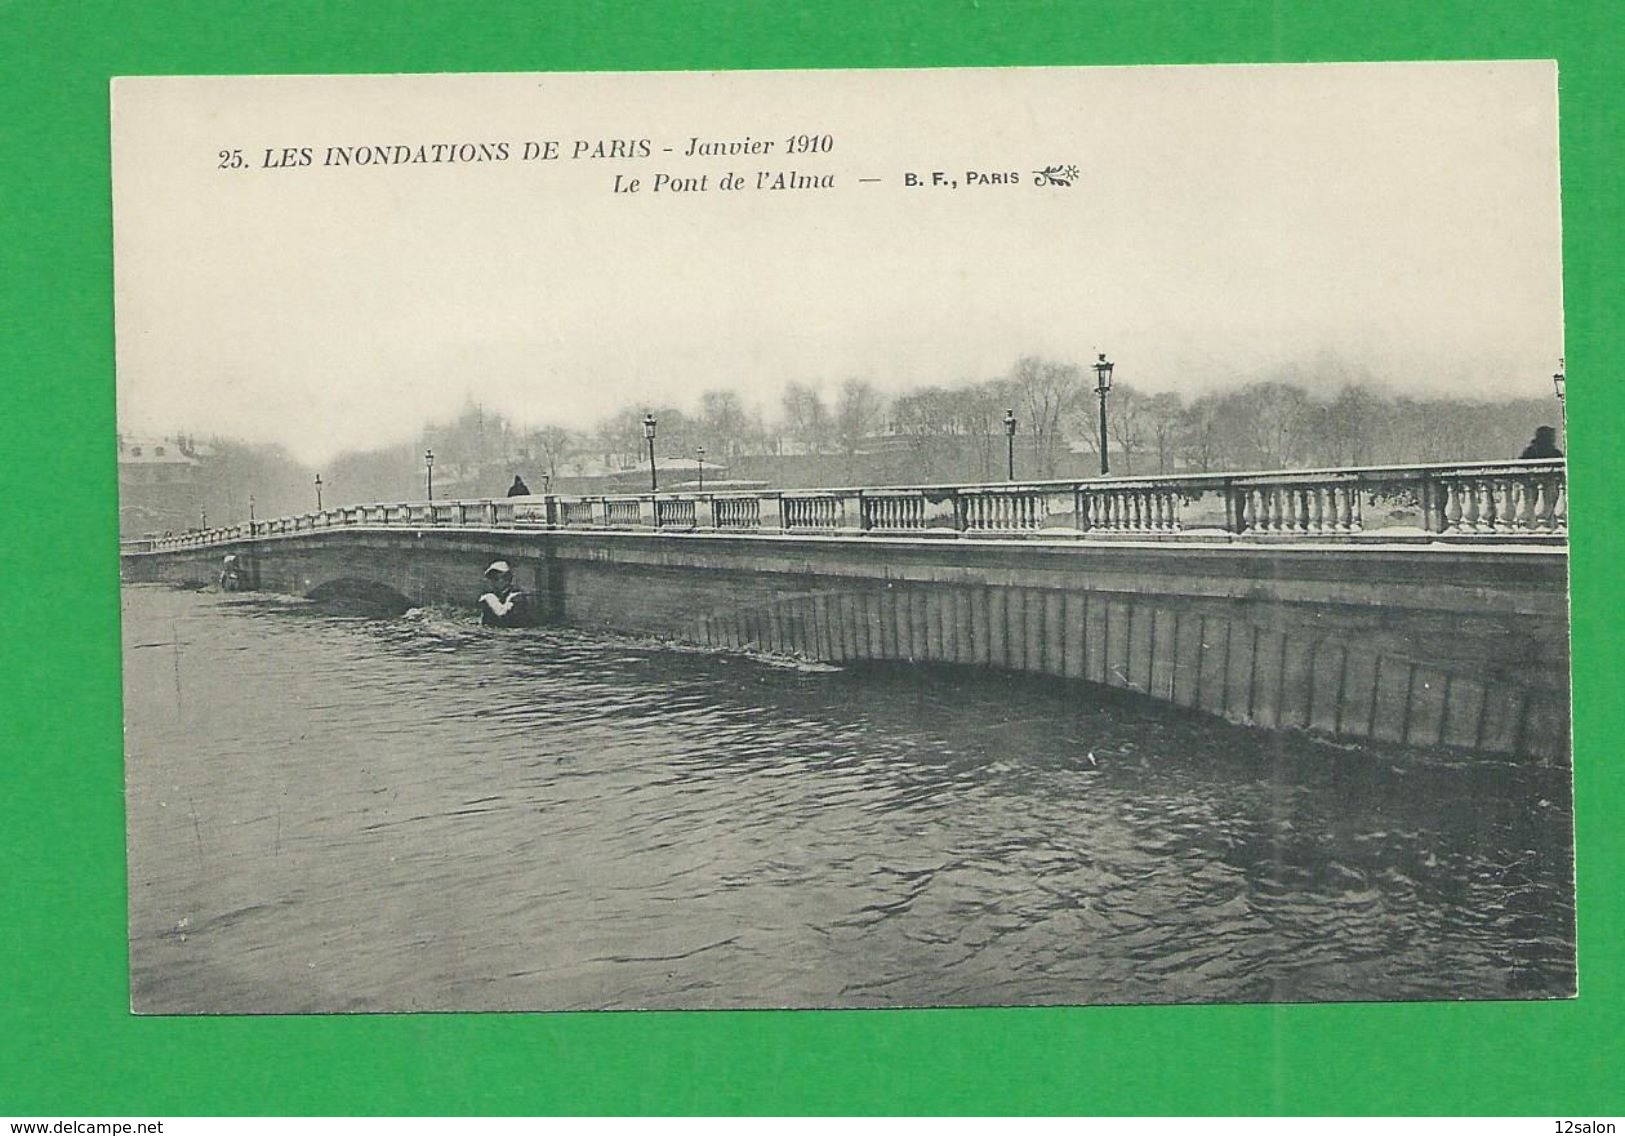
(68, 1045)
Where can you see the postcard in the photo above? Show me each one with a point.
(843, 539)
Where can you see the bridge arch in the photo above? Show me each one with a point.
(1246, 662)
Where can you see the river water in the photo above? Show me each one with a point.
(329, 813)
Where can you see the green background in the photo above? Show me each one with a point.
(68, 1045)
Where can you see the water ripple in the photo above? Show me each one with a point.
(342, 814)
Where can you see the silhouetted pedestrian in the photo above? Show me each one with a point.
(1544, 445)
(518, 488)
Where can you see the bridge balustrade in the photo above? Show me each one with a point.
(1503, 500)
(909, 510)
(738, 512)
(1134, 510)
(812, 511)
(998, 510)
(576, 513)
(1525, 500)
(674, 512)
(623, 512)
(1310, 507)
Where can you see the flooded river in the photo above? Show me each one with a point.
(331, 813)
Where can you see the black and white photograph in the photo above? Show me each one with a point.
(843, 539)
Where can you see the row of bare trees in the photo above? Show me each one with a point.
(940, 432)
(1270, 423)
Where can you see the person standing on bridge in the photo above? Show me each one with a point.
(503, 604)
(518, 488)
(1544, 445)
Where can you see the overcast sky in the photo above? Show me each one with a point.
(1226, 220)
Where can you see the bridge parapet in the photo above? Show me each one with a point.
(1523, 501)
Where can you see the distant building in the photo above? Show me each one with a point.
(159, 485)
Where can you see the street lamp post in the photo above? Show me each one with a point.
(1560, 384)
(318, 492)
(1103, 384)
(428, 461)
(251, 525)
(649, 436)
(699, 452)
(1010, 445)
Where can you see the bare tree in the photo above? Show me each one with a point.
(1202, 437)
(554, 446)
(1047, 390)
(927, 417)
(1276, 417)
(724, 423)
(858, 414)
(1164, 415)
(806, 418)
(1128, 423)
(983, 405)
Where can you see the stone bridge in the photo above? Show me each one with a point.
(1419, 605)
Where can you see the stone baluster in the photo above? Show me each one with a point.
(1451, 506)
(1547, 513)
(1468, 491)
(1526, 506)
